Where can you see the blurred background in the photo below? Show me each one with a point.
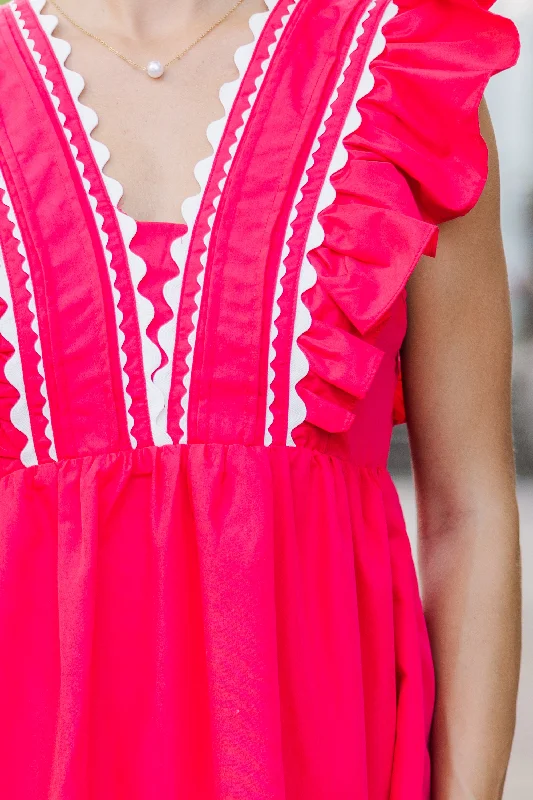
(510, 99)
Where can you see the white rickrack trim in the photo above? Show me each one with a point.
(20, 414)
(299, 366)
(151, 356)
(215, 130)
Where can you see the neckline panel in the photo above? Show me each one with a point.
(158, 371)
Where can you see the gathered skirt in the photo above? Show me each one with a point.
(210, 621)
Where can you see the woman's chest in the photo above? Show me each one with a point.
(155, 129)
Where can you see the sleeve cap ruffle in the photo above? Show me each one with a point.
(416, 160)
(423, 112)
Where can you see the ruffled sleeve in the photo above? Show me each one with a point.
(422, 114)
(416, 159)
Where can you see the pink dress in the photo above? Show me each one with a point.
(206, 587)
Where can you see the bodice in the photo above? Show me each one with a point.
(281, 314)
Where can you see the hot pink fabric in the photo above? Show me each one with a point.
(216, 618)
(152, 242)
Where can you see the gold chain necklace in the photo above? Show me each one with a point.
(154, 69)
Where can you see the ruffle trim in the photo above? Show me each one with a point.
(303, 403)
(412, 158)
(190, 207)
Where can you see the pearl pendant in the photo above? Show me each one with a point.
(155, 69)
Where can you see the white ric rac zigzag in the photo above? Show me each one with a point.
(20, 415)
(48, 24)
(299, 366)
(151, 356)
(228, 94)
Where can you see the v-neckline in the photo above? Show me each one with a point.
(159, 376)
(227, 95)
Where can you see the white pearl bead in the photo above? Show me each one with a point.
(155, 69)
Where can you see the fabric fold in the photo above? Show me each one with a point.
(416, 160)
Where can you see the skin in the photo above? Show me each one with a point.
(155, 126)
(456, 363)
(457, 371)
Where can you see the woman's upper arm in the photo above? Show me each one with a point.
(457, 358)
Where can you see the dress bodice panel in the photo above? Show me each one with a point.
(287, 302)
(225, 364)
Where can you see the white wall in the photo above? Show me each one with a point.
(510, 99)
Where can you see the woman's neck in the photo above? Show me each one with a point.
(143, 19)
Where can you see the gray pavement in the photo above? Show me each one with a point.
(519, 784)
